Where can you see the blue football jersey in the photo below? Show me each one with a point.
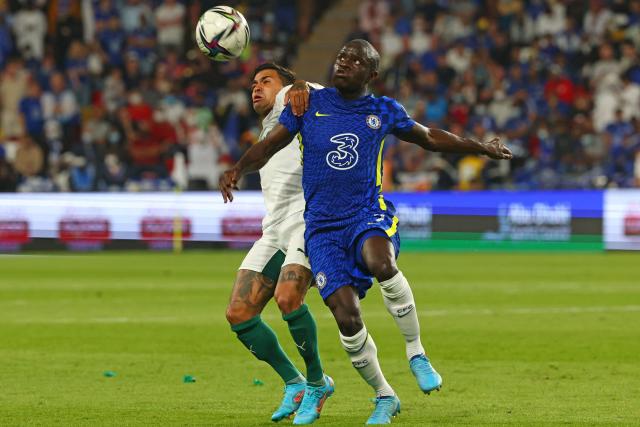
(342, 142)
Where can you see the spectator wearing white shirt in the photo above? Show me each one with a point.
(459, 58)
(59, 105)
(596, 20)
(170, 24)
(629, 99)
(30, 28)
(552, 20)
(420, 40)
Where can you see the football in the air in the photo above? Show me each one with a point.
(222, 33)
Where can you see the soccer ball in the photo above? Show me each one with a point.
(222, 33)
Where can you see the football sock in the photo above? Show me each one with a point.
(364, 357)
(398, 299)
(304, 332)
(260, 339)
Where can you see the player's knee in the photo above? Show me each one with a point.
(384, 269)
(237, 313)
(287, 299)
(349, 325)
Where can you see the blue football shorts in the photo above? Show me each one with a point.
(335, 252)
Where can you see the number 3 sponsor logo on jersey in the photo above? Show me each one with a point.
(346, 156)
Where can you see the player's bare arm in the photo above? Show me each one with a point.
(255, 157)
(446, 142)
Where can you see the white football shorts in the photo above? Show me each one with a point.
(281, 244)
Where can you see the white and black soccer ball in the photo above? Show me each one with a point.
(222, 33)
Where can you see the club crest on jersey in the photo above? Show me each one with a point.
(321, 280)
(373, 122)
(345, 157)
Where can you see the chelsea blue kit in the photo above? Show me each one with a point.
(342, 144)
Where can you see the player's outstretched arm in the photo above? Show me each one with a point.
(446, 142)
(255, 157)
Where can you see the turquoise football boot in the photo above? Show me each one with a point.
(386, 408)
(428, 378)
(293, 394)
(313, 401)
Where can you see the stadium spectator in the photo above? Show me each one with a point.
(135, 13)
(13, 86)
(170, 26)
(30, 28)
(29, 160)
(59, 105)
(31, 111)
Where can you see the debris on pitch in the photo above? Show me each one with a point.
(188, 379)
(109, 374)
(256, 381)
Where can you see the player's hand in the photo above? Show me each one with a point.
(497, 150)
(298, 96)
(228, 181)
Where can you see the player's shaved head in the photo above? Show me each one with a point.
(369, 52)
(356, 65)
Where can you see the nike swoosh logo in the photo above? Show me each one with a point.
(300, 250)
(405, 310)
(319, 114)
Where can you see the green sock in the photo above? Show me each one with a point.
(305, 335)
(260, 339)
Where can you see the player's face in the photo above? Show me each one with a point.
(352, 70)
(264, 88)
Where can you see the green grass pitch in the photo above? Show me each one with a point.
(520, 339)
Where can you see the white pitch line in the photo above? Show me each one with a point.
(325, 315)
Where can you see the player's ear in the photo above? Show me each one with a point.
(373, 75)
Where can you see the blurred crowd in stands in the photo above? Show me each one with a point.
(112, 95)
(557, 80)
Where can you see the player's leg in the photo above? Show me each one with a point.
(379, 256)
(251, 292)
(293, 284)
(290, 291)
(359, 345)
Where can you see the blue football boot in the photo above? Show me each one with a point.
(293, 394)
(428, 378)
(386, 408)
(313, 401)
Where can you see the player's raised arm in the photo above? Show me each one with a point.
(255, 157)
(446, 142)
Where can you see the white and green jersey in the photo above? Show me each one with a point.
(281, 177)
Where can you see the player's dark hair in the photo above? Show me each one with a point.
(286, 75)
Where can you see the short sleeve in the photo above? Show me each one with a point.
(288, 120)
(401, 122)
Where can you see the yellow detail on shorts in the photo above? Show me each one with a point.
(379, 166)
(383, 205)
(394, 227)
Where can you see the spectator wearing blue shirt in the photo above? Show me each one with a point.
(104, 11)
(31, 111)
(112, 39)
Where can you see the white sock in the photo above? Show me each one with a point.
(398, 299)
(364, 357)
